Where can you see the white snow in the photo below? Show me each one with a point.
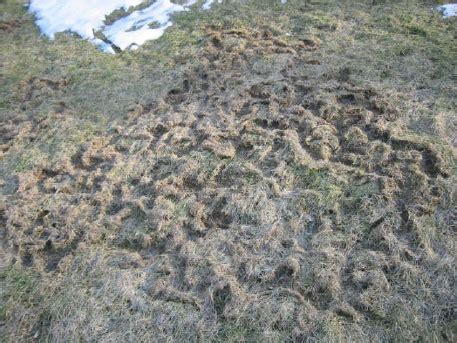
(134, 29)
(79, 16)
(84, 17)
(449, 10)
(208, 3)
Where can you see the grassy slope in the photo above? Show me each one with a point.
(132, 211)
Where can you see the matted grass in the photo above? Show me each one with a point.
(261, 172)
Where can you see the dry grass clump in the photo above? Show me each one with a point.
(266, 193)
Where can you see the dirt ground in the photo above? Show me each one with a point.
(260, 173)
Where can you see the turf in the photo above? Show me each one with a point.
(262, 172)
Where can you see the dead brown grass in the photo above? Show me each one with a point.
(261, 197)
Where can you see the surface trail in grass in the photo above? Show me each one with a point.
(261, 173)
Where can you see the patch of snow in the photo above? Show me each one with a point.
(134, 29)
(78, 16)
(208, 3)
(85, 17)
(449, 10)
